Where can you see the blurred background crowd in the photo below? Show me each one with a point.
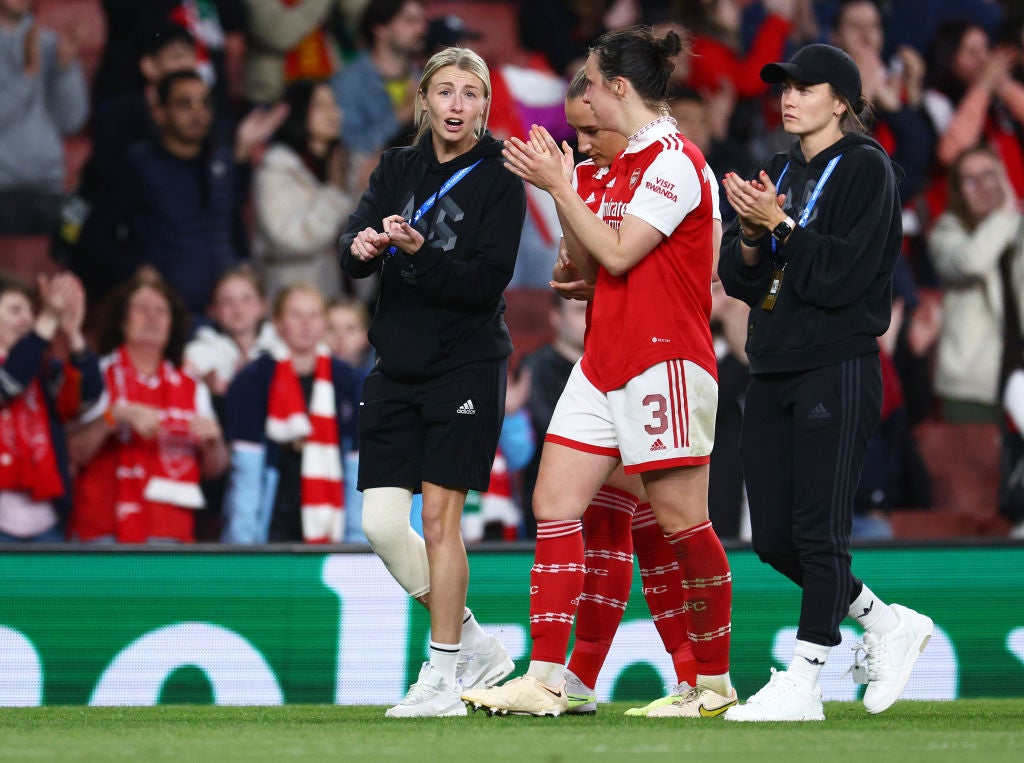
(174, 175)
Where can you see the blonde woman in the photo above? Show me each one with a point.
(440, 224)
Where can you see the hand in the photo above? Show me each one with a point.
(756, 202)
(142, 419)
(578, 289)
(539, 162)
(914, 69)
(518, 391)
(256, 128)
(368, 244)
(403, 235)
(69, 43)
(204, 429)
(74, 315)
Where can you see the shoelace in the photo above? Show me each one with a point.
(691, 693)
(775, 685)
(418, 693)
(878, 657)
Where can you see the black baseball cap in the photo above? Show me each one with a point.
(814, 64)
(448, 30)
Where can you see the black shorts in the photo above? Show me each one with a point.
(442, 430)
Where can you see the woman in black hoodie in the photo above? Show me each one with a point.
(813, 252)
(440, 222)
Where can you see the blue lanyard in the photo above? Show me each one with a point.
(449, 184)
(806, 214)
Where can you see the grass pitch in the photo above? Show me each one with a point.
(971, 731)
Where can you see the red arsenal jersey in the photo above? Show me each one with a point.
(660, 309)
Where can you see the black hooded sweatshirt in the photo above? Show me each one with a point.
(441, 307)
(836, 294)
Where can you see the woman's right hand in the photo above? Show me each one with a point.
(369, 244)
(144, 420)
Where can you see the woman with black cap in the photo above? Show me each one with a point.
(812, 252)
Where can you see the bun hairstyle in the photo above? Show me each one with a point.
(636, 55)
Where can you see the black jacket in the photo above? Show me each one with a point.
(836, 292)
(441, 307)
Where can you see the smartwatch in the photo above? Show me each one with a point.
(783, 229)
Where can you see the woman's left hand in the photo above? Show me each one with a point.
(757, 202)
(403, 235)
(204, 429)
(539, 161)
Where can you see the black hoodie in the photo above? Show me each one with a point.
(836, 293)
(443, 306)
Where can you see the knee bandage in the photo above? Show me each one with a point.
(386, 526)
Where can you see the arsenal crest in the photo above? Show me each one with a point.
(634, 177)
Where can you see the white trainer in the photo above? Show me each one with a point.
(674, 693)
(430, 697)
(525, 695)
(486, 668)
(697, 702)
(781, 699)
(582, 699)
(891, 657)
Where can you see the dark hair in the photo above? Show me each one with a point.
(858, 116)
(247, 273)
(842, 5)
(110, 329)
(636, 55)
(940, 56)
(294, 131)
(168, 82)
(11, 283)
(380, 13)
(161, 36)
(956, 201)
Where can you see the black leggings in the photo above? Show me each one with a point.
(804, 438)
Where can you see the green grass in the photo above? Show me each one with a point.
(967, 731)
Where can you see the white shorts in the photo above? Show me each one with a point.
(663, 418)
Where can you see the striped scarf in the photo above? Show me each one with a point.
(323, 507)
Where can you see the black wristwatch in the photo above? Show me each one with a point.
(783, 229)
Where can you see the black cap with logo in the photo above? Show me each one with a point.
(814, 64)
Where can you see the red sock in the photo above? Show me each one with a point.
(663, 590)
(707, 584)
(609, 559)
(556, 582)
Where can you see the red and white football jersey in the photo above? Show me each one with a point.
(661, 308)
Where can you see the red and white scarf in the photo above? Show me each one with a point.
(158, 477)
(323, 488)
(27, 461)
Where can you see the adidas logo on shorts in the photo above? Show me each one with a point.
(658, 445)
(467, 408)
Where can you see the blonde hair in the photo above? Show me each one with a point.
(296, 288)
(465, 60)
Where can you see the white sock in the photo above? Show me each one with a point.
(445, 657)
(721, 684)
(548, 673)
(474, 638)
(872, 613)
(808, 660)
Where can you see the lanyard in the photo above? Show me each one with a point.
(449, 184)
(806, 214)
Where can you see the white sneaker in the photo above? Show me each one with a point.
(697, 702)
(781, 699)
(674, 693)
(430, 697)
(483, 669)
(891, 657)
(521, 696)
(582, 699)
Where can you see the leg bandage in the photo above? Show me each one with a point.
(386, 526)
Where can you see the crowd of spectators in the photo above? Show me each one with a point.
(198, 259)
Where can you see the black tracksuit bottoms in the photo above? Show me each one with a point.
(805, 435)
